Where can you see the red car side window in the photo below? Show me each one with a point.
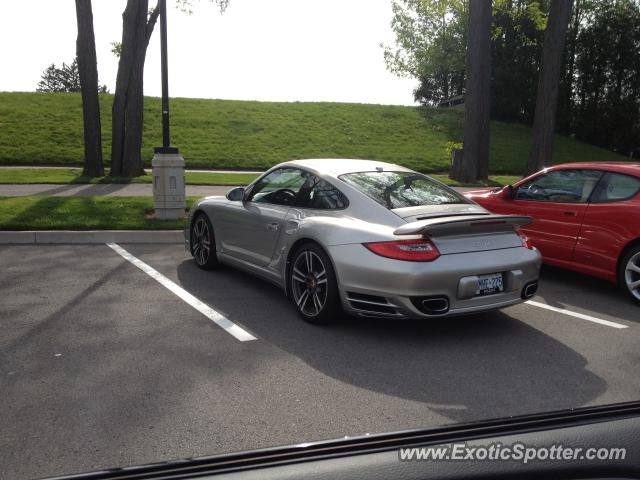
(562, 186)
(616, 187)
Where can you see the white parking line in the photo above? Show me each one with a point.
(216, 317)
(582, 316)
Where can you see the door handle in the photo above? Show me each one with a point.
(273, 226)
(571, 214)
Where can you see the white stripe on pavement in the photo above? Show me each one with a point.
(216, 317)
(582, 316)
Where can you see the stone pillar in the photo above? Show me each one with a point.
(168, 185)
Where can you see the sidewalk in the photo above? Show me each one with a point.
(110, 189)
(89, 237)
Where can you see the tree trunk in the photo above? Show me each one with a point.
(88, 72)
(118, 110)
(128, 103)
(475, 159)
(566, 103)
(548, 83)
(133, 165)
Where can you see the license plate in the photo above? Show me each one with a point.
(488, 284)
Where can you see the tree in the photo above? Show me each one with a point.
(88, 73)
(63, 79)
(430, 45)
(127, 109)
(606, 100)
(567, 76)
(516, 43)
(475, 157)
(138, 23)
(548, 84)
(599, 92)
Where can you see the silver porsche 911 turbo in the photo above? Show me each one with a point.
(376, 239)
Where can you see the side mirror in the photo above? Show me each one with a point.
(236, 194)
(508, 193)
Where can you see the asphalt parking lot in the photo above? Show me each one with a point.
(102, 365)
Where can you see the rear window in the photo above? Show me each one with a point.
(402, 189)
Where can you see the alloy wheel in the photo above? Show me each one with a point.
(632, 275)
(309, 283)
(201, 241)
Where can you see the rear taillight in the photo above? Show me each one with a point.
(410, 250)
(526, 243)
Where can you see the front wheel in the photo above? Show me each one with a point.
(629, 273)
(314, 289)
(203, 245)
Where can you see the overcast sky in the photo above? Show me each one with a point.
(284, 50)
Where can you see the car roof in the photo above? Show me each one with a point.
(339, 166)
(631, 168)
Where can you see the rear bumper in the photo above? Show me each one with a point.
(371, 285)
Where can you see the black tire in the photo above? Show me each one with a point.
(629, 273)
(314, 291)
(203, 245)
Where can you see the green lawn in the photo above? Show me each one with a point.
(21, 175)
(494, 181)
(82, 213)
(46, 129)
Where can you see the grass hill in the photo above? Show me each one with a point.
(46, 129)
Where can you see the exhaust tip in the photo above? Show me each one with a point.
(436, 305)
(529, 290)
(432, 305)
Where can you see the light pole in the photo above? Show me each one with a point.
(166, 140)
(168, 165)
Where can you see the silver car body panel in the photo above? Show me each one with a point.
(259, 238)
(383, 277)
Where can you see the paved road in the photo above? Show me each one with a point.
(100, 365)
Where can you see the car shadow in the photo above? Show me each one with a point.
(563, 288)
(465, 368)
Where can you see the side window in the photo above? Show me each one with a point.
(616, 187)
(319, 194)
(562, 186)
(280, 187)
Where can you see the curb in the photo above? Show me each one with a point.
(89, 237)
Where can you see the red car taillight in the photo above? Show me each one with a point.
(410, 250)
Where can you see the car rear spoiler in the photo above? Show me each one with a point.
(463, 224)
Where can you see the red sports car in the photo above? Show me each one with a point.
(586, 217)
